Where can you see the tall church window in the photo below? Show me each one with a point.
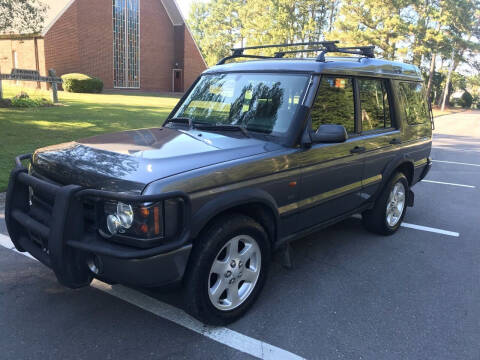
(126, 43)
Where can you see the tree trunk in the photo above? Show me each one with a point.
(447, 83)
(332, 15)
(430, 75)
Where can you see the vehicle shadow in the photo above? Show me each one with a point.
(324, 251)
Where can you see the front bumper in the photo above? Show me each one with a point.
(59, 235)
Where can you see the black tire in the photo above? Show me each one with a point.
(204, 253)
(375, 220)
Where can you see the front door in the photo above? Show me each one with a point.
(332, 176)
(177, 80)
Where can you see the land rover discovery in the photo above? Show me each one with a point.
(255, 154)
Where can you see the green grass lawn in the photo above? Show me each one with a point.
(80, 115)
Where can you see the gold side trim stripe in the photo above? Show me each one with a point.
(420, 162)
(317, 199)
(372, 180)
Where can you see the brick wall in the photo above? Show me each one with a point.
(96, 39)
(194, 64)
(82, 41)
(61, 43)
(26, 58)
(156, 47)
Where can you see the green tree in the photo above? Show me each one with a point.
(373, 22)
(22, 16)
(216, 26)
(219, 25)
(463, 31)
(285, 21)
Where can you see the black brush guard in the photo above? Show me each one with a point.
(63, 243)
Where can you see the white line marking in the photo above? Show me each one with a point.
(7, 243)
(222, 335)
(430, 229)
(447, 183)
(420, 227)
(225, 336)
(439, 147)
(455, 162)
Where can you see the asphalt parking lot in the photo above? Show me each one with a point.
(350, 295)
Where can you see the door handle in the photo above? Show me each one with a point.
(395, 141)
(357, 150)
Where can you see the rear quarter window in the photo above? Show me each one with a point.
(414, 103)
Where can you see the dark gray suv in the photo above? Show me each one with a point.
(255, 155)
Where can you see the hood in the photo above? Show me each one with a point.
(129, 160)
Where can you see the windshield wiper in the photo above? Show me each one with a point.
(220, 126)
(180, 120)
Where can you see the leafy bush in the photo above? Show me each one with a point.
(22, 100)
(5, 103)
(81, 83)
(466, 100)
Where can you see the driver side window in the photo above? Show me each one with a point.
(334, 103)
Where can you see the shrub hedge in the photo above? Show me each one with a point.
(466, 100)
(81, 83)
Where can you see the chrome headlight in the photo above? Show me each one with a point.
(121, 220)
(142, 221)
(125, 215)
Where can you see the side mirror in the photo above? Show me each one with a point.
(329, 133)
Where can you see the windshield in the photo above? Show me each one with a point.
(257, 102)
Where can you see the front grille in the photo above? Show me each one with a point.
(41, 209)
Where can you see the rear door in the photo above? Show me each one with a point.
(379, 134)
(332, 173)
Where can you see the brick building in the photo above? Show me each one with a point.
(129, 44)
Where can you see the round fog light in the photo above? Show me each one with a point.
(95, 265)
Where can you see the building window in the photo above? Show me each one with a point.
(126, 43)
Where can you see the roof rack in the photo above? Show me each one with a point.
(367, 51)
(326, 47)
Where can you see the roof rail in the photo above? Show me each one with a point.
(239, 52)
(326, 47)
(367, 51)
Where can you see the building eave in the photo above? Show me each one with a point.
(58, 16)
(177, 19)
(17, 36)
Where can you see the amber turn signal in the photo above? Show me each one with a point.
(144, 212)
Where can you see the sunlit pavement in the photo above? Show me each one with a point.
(350, 294)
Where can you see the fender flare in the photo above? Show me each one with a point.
(229, 200)
(389, 170)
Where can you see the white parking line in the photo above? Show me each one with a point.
(225, 336)
(447, 183)
(439, 147)
(6, 242)
(456, 162)
(222, 335)
(430, 229)
(421, 227)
